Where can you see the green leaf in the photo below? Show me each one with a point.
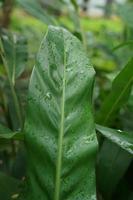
(127, 43)
(16, 53)
(74, 3)
(6, 133)
(121, 138)
(111, 156)
(112, 165)
(111, 168)
(34, 8)
(118, 96)
(59, 128)
(9, 187)
(10, 69)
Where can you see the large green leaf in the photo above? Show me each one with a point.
(121, 138)
(118, 96)
(59, 128)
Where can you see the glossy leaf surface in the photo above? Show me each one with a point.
(59, 128)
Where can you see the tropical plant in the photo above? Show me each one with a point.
(54, 145)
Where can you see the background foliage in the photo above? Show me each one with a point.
(108, 41)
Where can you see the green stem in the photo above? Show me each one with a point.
(15, 99)
(83, 34)
(14, 61)
(77, 10)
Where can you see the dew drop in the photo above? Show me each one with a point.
(68, 69)
(48, 96)
(120, 131)
(81, 72)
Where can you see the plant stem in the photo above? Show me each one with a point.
(77, 10)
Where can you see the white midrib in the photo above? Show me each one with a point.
(60, 140)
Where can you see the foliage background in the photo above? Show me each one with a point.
(108, 41)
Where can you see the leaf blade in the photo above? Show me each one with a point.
(54, 99)
(121, 88)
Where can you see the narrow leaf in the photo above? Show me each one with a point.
(130, 42)
(121, 138)
(74, 3)
(118, 96)
(34, 8)
(111, 156)
(59, 128)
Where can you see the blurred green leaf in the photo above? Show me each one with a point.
(118, 96)
(34, 8)
(16, 53)
(121, 138)
(9, 187)
(6, 133)
(11, 80)
(74, 3)
(123, 45)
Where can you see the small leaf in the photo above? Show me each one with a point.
(6, 133)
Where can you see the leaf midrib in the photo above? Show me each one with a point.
(61, 133)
